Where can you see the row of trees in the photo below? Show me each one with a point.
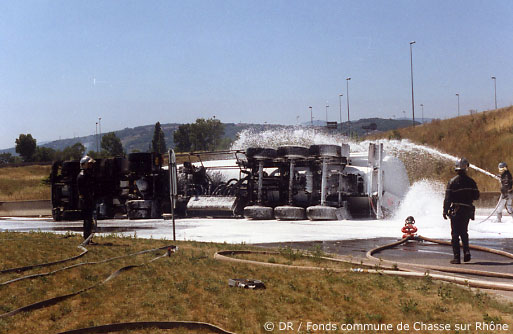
(203, 135)
(26, 147)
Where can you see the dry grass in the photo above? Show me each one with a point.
(24, 183)
(484, 138)
(191, 285)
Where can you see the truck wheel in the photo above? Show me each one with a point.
(288, 212)
(260, 153)
(319, 212)
(56, 214)
(326, 151)
(257, 212)
(293, 152)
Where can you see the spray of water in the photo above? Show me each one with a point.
(404, 145)
(310, 136)
(275, 138)
(423, 199)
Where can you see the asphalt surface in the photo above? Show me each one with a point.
(420, 253)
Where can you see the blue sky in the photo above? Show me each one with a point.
(63, 64)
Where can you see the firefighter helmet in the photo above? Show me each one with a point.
(86, 161)
(461, 165)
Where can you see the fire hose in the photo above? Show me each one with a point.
(118, 327)
(55, 300)
(370, 255)
(404, 269)
(108, 328)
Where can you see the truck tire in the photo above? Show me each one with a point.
(257, 212)
(326, 151)
(293, 152)
(319, 212)
(288, 212)
(261, 153)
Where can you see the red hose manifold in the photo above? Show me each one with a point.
(408, 229)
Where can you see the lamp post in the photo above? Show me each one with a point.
(327, 106)
(311, 116)
(495, 90)
(340, 108)
(96, 136)
(411, 72)
(100, 128)
(422, 106)
(458, 95)
(347, 98)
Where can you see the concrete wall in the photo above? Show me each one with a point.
(26, 208)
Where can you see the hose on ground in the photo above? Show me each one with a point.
(55, 300)
(48, 264)
(404, 269)
(81, 264)
(405, 265)
(190, 325)
(41, 265)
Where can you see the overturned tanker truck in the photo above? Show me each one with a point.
(320, 182)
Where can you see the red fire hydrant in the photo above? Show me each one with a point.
(409, 229)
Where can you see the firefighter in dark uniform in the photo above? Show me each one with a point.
(460, 193)
(85, 183)
(506, 191)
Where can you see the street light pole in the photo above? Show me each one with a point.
(422, 106)
(411, 72)
(327, 106)
(495, 89)
(311, 116)
(100, 128)
(347, 98)
(458, 95)
(340, 108)
(96, 136)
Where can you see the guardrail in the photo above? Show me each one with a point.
(26, 208)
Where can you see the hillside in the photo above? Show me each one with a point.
(485, 139)
(139, 138)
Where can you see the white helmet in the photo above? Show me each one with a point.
(86, 161)
(461, 164)
(502, 167)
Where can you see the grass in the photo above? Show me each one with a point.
(191, 285)
(24, 183)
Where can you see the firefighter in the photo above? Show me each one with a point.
(506, 191)
(85, 183)
(461, 191)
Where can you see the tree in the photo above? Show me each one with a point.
(73, 152)
(111, 145)
(26, 147)
(158, 143)
(6, 158)
(203, 135)
(44, 154)
(182, 138)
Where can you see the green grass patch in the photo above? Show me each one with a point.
(190, 285)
